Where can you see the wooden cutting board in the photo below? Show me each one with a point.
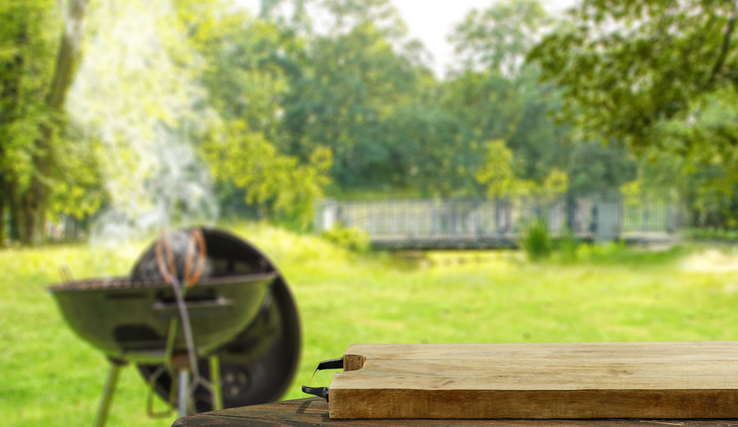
(593, 380)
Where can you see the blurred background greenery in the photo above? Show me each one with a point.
(140, 114)
(120, 117)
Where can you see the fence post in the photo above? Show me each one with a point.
(607, 218)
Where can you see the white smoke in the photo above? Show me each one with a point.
(136, 96)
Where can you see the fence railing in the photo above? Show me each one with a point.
(597, 217)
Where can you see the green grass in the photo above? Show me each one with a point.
(50, 377)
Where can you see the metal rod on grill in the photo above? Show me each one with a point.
(217, 392)
(107, 397)
(189, 340)
(169, 272)
(152, 390)
(183, 397)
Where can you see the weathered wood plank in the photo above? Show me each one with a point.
(576, 380)
(314, 412)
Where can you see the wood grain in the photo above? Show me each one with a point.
(314, 412)
(538, 381)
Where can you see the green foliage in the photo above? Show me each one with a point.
(351, 238)
(29, 40)
(282, 114)
(661, 78)
(498, 97)
(708, 192)
(535, 240)
(351, 84)
(245, 59)
(514, 109)
(594, 167)
(40, 45)
(277, 184)
(497, 173)
(649, 73)
(350, 14)
(246, 64)
(497, 39)
(428, 149)
(29, 36)
(78, 189)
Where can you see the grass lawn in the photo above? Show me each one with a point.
(50, 377)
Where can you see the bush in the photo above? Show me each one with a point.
(351, 238)
(535, 240)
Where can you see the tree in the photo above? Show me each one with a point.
(352, 80)
(648, 72)
(35, 82)
(247, 62)
(661, 77)
(494, 93)
(497, 39)
(428, 150)
(497, 173)
(517, 111)
(595, 167)
(278, 185)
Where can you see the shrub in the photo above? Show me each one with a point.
(535, 240)
(351, 238)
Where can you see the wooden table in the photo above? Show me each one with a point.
(314, 412)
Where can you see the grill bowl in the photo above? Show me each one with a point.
(128, 319)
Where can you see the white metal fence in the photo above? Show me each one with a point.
(598, 217)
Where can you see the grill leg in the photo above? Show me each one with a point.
(215, 382)
(107, 396)
(183, 396)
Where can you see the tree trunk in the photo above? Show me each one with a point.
(10, 94)
(33, 204)
(17, 218)
(69, 53)
(2, 210)
(34, 201)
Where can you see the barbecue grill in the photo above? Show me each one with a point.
(230, 338)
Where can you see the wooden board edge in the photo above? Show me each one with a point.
(353, 362)
(544, 404)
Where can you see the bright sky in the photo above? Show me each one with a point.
(431, 21)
